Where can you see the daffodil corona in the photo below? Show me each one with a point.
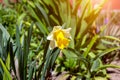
(59, 37)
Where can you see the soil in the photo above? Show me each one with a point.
(114, 73)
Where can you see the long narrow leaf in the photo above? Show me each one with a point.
(90, 45)
(6, 72)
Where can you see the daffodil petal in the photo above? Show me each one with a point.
(57, 28)
(50, 36)
(52, 44)
(67, 33)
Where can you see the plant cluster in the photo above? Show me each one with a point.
(53, 39)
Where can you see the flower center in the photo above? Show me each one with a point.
(60, 39)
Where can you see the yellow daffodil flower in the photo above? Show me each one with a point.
(59, 37)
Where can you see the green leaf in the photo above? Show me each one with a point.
(101, 46)
(84, 40)
(20, 18)
(50, 60)
(70, 63)
(101, 54)
(6, 75)
(81, 22)
(31, 4)
(107, 42)
(90, 45)
(43, 13)
(27, 40)
(69, 53)
(40, 25)
(74, 56)
(12, 55)
(7, 66)
(112, 38)
(31, 71)
(17, 41)
(54, 56)
(100, 78)
(77, 4)
(46, 64)
(92, 55)
(96, 64)
(5, 32)
(1, 36)
(108, 66)
(19, 55)
(8, 62)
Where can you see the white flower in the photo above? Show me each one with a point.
(59, 37)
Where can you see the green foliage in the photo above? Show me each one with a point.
(6, 74)
(8, 19)
(25, 49)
